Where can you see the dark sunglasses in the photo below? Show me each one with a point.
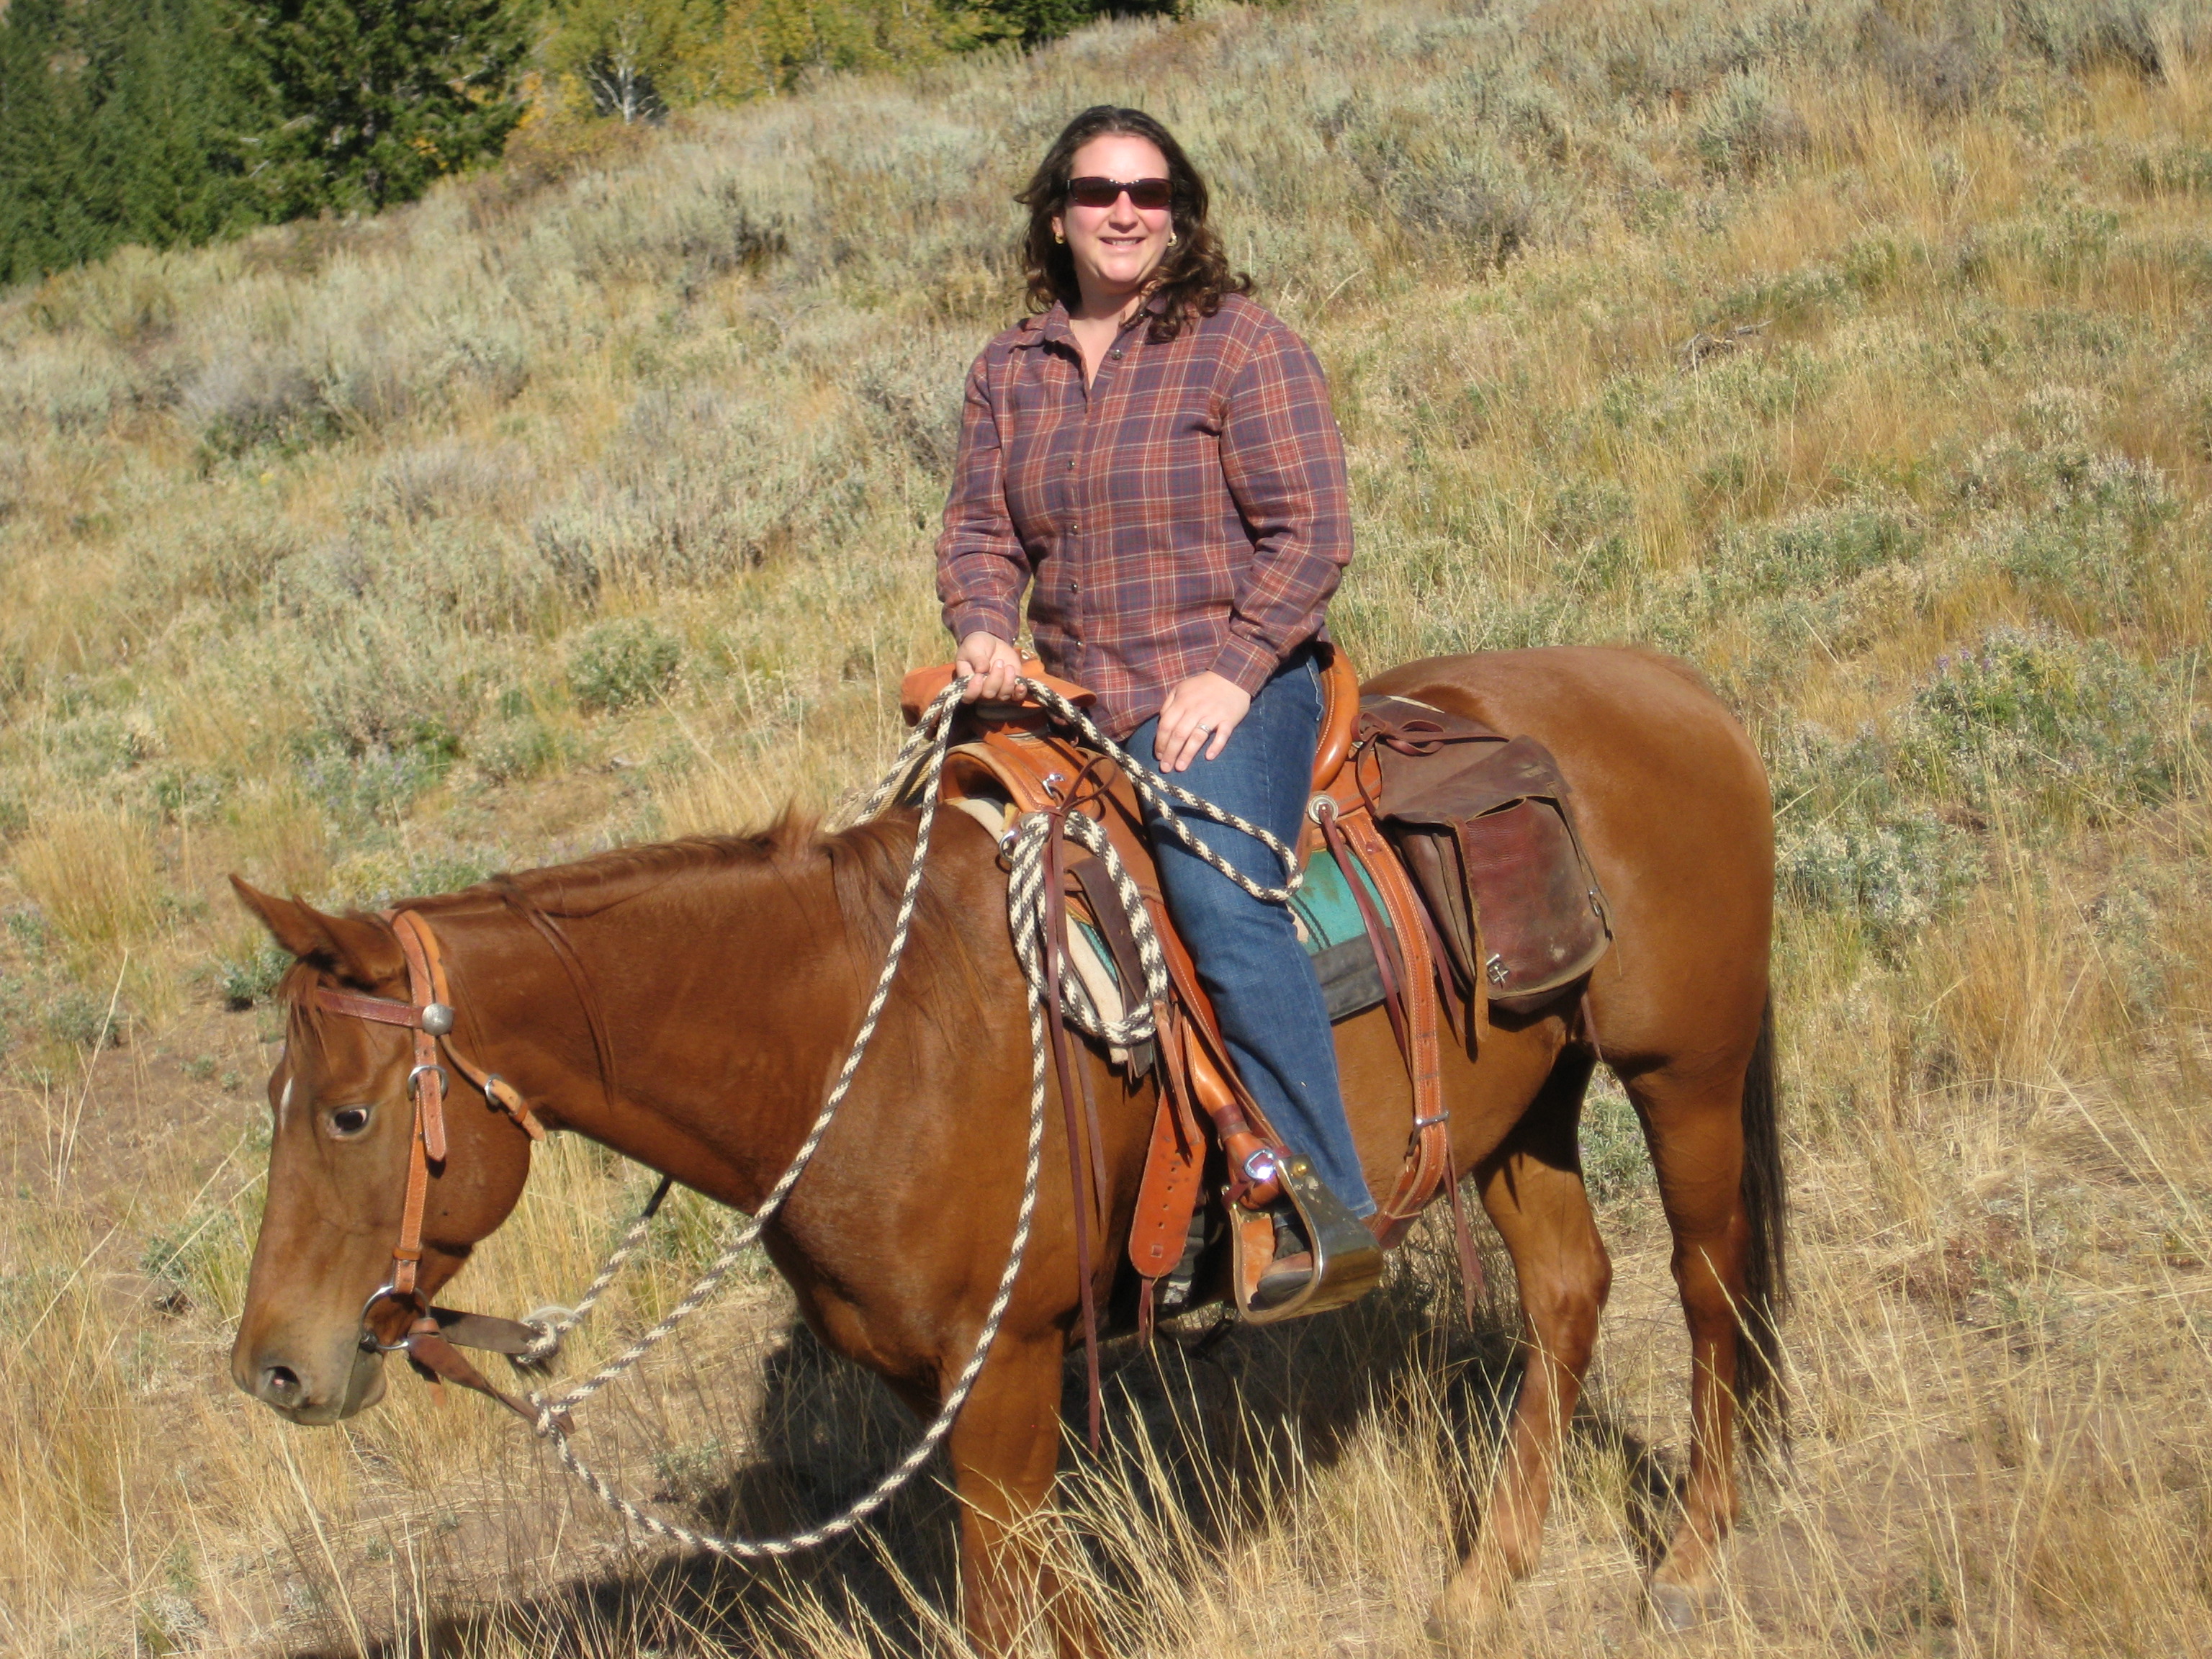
(1152, 194)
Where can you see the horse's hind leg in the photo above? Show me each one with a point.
(1532, 1186)
(1693, 1121)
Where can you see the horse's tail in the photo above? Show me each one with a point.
(1761, 1392)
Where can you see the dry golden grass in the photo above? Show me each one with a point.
(94, 871)
(549, 513)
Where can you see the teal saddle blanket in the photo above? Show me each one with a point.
(1331, 928)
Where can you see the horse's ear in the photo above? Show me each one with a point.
(354, 948)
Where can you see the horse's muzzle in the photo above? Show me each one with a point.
(296, 1388)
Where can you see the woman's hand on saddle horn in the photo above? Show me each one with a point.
(992, 665)
(1204, 707)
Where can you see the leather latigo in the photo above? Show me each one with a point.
(1482, 824)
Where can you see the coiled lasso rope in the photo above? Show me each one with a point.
(921, 761)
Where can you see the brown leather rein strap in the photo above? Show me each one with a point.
(1072, 1106)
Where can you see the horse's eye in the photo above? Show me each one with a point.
(348, 1120)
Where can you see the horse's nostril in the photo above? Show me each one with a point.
(280, 1385)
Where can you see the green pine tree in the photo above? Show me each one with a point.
(163, 109)
(1032, 21)
(370, 100)
(41, 224)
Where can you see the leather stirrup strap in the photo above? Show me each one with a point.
(1429, 1161)
(1167, 1193)
(1055, 941)
(1211, 1072)
(1472, 1279)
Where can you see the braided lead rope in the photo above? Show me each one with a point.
(937, 724)
(908, 1467)
(550, 1425)
(1028, 921)
(552, 1330)
(933, 729)
(1026, 907)
(931, 733)
(1157, 792)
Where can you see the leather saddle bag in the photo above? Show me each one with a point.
(1482, 825)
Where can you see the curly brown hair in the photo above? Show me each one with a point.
(1193, 276)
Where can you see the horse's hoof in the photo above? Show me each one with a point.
(1462, 1620)
(1447, 1634)
(1673, 1608)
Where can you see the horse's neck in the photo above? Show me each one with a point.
(722, 1035)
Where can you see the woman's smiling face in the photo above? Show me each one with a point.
(1116, 249)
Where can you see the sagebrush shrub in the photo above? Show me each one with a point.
(621, 662)
(86, 1019)
(1811, 554)
(1746, 127)
(521, 747)
(443, 477)
(374, 689)
(1896, 873)
(2033, 714)
(372, 784)
(250, 979)
(244, 399)
(2074, 35)
(1850, 839)
(1945, 70)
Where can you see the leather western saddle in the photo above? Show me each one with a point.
(1456, 846)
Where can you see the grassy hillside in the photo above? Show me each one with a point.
(1857, 352)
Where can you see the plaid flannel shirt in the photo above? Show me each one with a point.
(1187, 511)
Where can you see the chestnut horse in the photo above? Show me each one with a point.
(732, 972)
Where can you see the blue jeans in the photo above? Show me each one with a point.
(1247, 951)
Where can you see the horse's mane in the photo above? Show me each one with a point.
(866, 863)
(867, 866)
(591, 886)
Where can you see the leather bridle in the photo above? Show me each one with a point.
(432, 1332)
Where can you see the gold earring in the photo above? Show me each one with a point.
(1171, 238)
(1059, 236)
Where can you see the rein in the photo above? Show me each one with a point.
(1039, 938)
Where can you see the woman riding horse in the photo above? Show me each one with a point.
(1152, 455)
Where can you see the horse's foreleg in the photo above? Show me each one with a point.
(1532, 1186)
(1696, 1132)
(1003, 1451)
